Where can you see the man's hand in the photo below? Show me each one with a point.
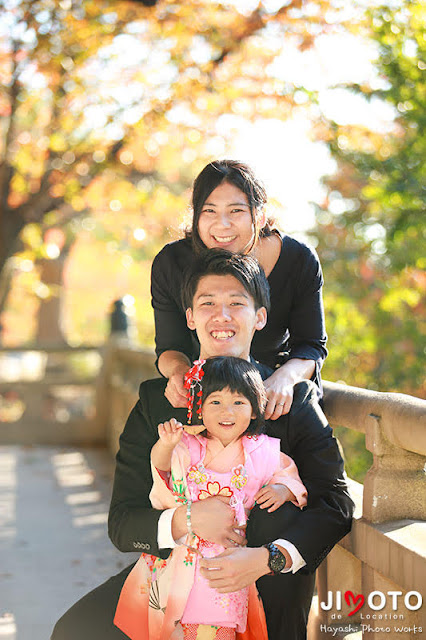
(235, 568)
(273, 496)
(175, 392)
(211, 519)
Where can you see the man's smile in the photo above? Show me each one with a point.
(222, 334)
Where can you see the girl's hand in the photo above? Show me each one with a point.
(170, 433)
(273, 496)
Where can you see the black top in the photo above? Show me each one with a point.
(304, 434)
(295, 327)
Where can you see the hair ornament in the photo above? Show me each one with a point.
(192, 383)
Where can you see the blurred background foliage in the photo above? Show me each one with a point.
(109, 110)
(371, 226)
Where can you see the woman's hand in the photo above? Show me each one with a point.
(173, 365)
(279, 394)
(279, 386)
(175, 392)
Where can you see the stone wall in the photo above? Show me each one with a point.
(383, 560)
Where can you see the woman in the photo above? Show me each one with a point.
(229, 212)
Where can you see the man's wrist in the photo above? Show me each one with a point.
(279, 559)
(164, 532)
(179, 527)
(288, 558)
(263, 554)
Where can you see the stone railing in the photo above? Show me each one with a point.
(383, 560)
(47, 395)
(124, 368)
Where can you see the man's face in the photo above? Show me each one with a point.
(224, 316)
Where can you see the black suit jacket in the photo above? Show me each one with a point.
(305, 436)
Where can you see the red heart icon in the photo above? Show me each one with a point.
(359, 598)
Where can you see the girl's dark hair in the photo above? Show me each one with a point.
(238, 174)
(240, 376)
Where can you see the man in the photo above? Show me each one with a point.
(227, 297)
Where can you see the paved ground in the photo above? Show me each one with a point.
(54, 545)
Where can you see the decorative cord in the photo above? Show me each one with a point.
(192, 382)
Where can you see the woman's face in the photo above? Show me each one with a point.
(225, 220)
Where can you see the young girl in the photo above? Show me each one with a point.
(164, 599)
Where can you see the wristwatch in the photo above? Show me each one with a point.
(277, 560)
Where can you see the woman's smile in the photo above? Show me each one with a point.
(226, 220)
(224, 239)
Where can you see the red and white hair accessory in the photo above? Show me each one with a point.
(192, 383)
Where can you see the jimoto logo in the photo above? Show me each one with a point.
(375, 600)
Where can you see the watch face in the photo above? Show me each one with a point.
(276, 561)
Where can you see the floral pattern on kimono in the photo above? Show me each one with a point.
(159, 594)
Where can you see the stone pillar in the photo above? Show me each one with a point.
(395, 485)
(49, 321)
(388, 622)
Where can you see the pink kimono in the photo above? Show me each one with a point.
(159, 594)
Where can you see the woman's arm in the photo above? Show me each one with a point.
(173, 365)
(306, 322)
(307, 336)
(171, 330)
(172, 337)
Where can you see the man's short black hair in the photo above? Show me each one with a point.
(220, 262)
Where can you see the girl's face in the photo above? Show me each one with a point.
(226, 221)
(226, 415)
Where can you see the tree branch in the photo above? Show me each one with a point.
(6, 170)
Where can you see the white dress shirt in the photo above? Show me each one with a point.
(166, 541)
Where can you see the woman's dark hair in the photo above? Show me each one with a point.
(240, 376)
(232, 172)
(221, 262)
